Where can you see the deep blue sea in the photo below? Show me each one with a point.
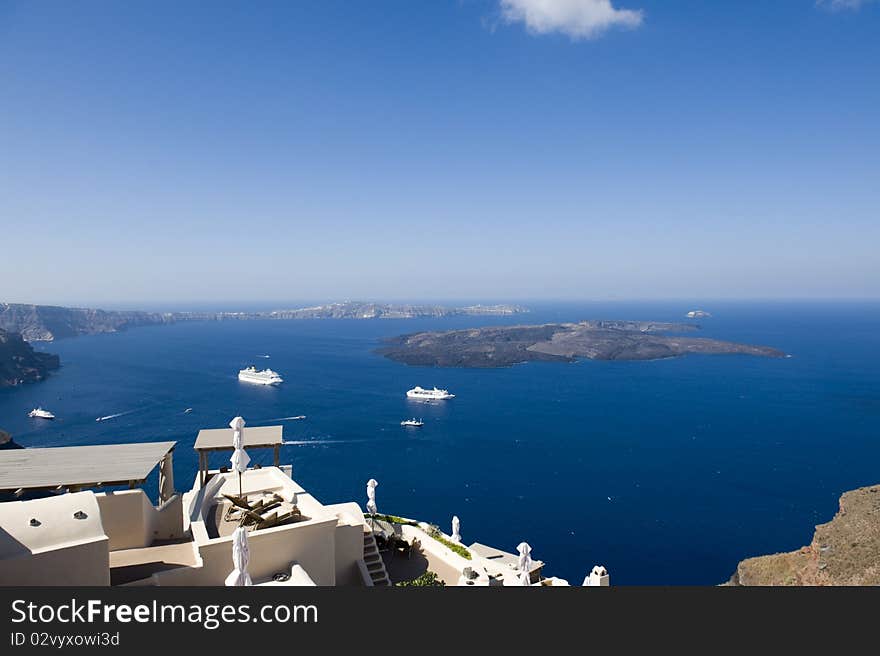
(666, 472)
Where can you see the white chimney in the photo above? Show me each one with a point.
(598, 577)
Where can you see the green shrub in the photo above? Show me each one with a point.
(435, 533)
(428, 579)
(394, 519)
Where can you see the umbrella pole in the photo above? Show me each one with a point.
(239, 485)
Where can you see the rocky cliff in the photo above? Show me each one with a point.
(48, 322)
(845, 551)
(19, 363)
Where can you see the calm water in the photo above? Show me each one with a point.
(666, 472)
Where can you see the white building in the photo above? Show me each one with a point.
(80, 535)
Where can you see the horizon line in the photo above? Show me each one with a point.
(270, 305)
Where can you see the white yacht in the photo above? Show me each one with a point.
(264, 377)
(429, 394)
(417, 423)
(39, 413)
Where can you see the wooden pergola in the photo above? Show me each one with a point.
(220, 439)
(75, 468)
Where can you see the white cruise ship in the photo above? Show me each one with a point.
(39, 413)
(264, 377)
(429, 394)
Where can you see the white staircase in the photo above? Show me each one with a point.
(373, 560)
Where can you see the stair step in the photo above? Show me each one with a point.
(374, 563)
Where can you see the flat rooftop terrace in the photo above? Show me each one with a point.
(129, 565)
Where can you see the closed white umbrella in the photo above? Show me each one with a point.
(371, 496)
(456, 527)
(240, 458)
(240, 558)
(525, 563)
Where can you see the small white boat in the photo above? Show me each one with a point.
(417, 423)
(187, 411)
(39, 413)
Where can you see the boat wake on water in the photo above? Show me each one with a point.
(296, 417)
(317, 442)
(118, 414)
(320, 442)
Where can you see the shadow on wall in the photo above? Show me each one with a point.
(10, 547)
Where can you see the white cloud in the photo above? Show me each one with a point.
(839, 5)
(579, 19)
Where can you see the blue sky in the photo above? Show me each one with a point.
(468, 149)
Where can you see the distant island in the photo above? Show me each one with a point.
(21, 323)
(503, 346)
(19, 363)
(359, 310)
(47, 323)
